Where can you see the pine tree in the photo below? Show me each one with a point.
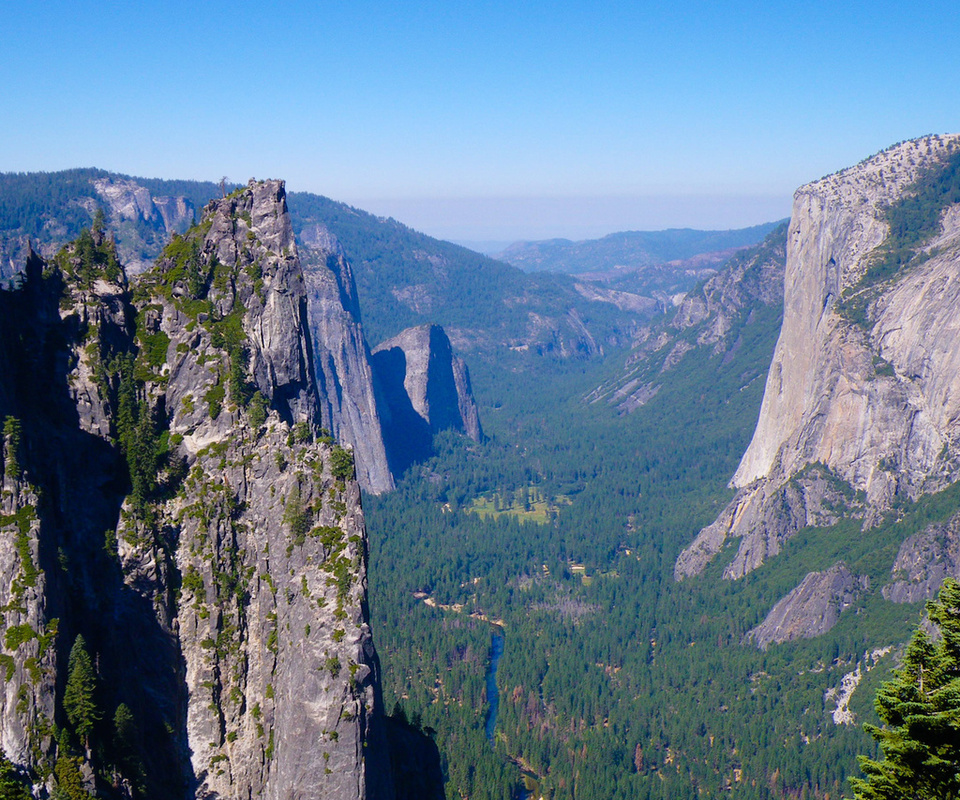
(79, 701)
(920, 707)
(11, 785)
(69, 780)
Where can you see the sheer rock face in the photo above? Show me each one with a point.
(811, 609)
(56, 473)
(427, 390)
(349, 397)
(923, 562)
(229, 612)
(825, 400)
(280, 669)
(27, 701)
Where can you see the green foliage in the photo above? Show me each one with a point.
(296, 516)
(127, 743)
(333, 666)
(79, 696)
(69, 779)
(12, 784)
(154, 348)
(227, 334)
(193, 582)
(214, 398)
(12, 442)
(257, 410)
(914, 219)
(920, 709)
(341, 464)
(187, 270)
(302, 432)
(90, 257)
(141, 445)
(17, 635)
(29, 572)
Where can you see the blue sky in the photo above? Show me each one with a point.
(483, 120)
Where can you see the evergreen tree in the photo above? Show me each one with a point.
(12, 434)
(11, 785)
(920, 707)
(69, 780)
(126, 744)
(79, 701)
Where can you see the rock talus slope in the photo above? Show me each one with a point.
(875, 401)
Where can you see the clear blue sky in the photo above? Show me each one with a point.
(483, 120)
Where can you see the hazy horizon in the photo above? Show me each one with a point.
(494, 122)
(485, 220)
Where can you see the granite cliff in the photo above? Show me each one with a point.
(863, 384)
(176, 520)
(426, 388)
(350, 399)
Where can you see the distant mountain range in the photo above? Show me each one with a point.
(627, 250)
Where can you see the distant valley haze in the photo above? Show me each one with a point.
(489, 224)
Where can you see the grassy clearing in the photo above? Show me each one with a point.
(527, 504)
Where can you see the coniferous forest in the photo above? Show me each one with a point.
(615, 681)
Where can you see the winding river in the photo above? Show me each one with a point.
(497, 640)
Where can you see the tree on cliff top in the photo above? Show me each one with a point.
(920, 708)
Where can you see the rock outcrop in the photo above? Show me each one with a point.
(145, 221)
(426, 387)
(811, 609)
(864, 377)
(749, 279)
(923, 561)
(224, 609)
(350, 401)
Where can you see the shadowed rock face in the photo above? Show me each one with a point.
(877, 403)
(427, 390)
(228, 607)
(811, 609)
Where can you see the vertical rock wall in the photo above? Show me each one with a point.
(877, 403)
(170, 499)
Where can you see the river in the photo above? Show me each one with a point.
(497, 640)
